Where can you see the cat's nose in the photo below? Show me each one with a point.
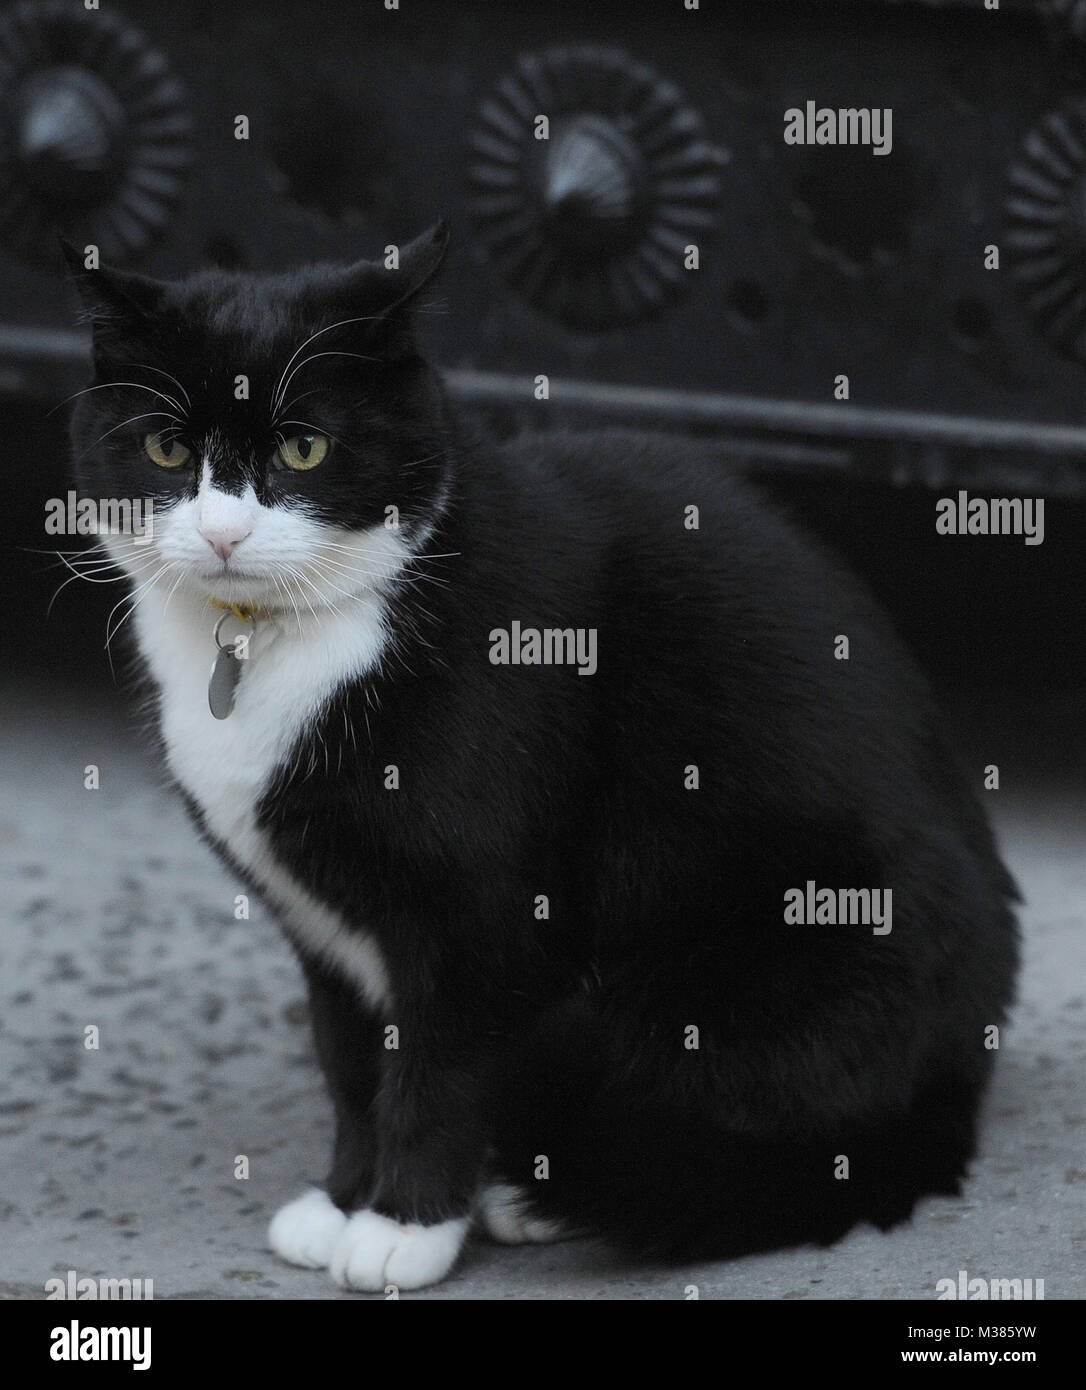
(224, 540)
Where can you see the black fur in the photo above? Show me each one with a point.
(564, 1037)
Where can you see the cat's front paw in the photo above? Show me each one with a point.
(305, 1231)
(373, 1251)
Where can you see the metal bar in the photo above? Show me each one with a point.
(718, 410)
(794, 417)
(49, 345)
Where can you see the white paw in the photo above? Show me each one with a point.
(501, 1215)
(374, 1251)
(305, 1231)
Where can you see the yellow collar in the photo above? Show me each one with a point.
(242, 611)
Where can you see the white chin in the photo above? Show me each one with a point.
(231, 588)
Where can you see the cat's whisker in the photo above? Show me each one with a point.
(282, 589)
(101, 550)
(47, 550)
(354, 552)
(297, 574)
(90, 569)
(349, 572)
(106, 386)
(136, 594)
(281, 386)
(352, 556)
(413, 559)
(406, 572)
(406, 575)
(130, 421)
(94, 565)
(293, 602)
(176, 584)
(331, 607)
(97, 576)
(72, 558)
(296, 400)
(414, 463)
(91, 555)
(315, 357)
(318, 566)
(322, 574)
(323, 598)
(134, 599)
(91, 578)
(146, 367)
(287, 590)
(278, 586)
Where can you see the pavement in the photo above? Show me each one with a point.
(120, 1161)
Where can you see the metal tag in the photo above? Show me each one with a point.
(225, 674)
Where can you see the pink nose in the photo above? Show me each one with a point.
(225, 540)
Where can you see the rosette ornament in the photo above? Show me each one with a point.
(94, 132)
(591, 175)
(1046, 225)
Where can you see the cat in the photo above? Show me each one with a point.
(545, 754)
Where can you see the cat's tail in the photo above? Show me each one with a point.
(653, 1176)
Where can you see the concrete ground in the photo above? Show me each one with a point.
(120, 1162)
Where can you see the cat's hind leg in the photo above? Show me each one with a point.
(503, 1216)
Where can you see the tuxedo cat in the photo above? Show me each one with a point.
(632, 901)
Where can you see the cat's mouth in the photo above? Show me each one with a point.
(226, 576)
(232, 585)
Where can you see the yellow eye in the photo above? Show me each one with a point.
(167, 453)
(303, 450)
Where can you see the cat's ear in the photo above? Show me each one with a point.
(386, 293)
(119, 305)
(420, 260)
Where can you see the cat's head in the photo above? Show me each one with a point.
(290, 439)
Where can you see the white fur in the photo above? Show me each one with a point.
(305, 1231)
(311, 637)
(374, 1251)
(501, 1216)
(300, 653)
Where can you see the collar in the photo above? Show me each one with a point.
(243, 611)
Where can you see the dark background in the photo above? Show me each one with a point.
(366, 124)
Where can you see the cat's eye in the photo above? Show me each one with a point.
(303, 450)
(166, 452)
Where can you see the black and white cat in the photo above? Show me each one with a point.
(569, 925)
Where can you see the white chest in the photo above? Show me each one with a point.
(227, 765)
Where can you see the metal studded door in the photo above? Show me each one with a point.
(638, 216)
